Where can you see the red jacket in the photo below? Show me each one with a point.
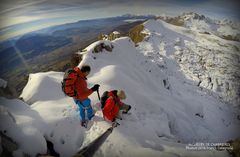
(111, 108)
(81, 86)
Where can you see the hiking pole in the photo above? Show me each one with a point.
(98, 94)
(91, 148)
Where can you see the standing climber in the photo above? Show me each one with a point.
(82, 93)
(112, 104)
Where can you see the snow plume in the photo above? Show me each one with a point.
(168, 111)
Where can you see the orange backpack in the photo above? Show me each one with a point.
(68, 83)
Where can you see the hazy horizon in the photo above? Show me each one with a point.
(24, 16)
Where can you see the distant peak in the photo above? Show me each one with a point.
(193, 15)
(128, 15)
(134, 15)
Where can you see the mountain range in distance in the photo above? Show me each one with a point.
(43, 41)
(51, 48)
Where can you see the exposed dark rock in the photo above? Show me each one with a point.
(205, 33)
(8, 145)
(199, 115)
(238, 117)
(75, 60)
(136, 34)
(114, 35)
(235, 152)
(199, 83)
(108, 48)
(100, 47)
(166, 84)
(8, 92)
(51, 150)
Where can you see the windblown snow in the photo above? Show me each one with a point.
(168, 112)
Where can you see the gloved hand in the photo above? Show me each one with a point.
(95, 87)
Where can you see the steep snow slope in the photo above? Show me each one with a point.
(209, 60)
(169, 110)
(160, 116)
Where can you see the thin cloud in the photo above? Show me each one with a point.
(21, 6)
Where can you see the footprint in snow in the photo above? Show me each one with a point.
(62, 141)
(64, 111)
(120, 152)
(129, 117)
(110, 146)
(51, 134)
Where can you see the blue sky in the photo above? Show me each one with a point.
(21, 16)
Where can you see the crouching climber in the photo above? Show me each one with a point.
(112, 104)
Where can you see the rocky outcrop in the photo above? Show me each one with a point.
(112, 36)
(102, 37)
(8, 145)
(173, 20)
(136, 33)
(99, 48)
(75, 59)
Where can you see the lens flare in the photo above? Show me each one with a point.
(19, 54)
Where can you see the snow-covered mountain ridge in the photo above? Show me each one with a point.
(212, 61)
(224, 28)
(160, 79)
